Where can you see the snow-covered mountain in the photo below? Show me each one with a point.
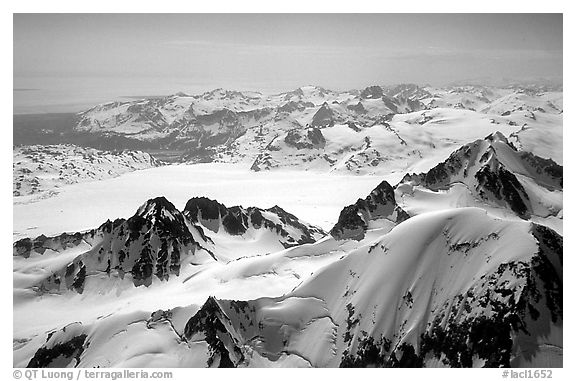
(158, 240)
(452, 288)
(261, 130)
(438, 290)
(489, 171)
(456, 287)
(38, 169)
(459, 264)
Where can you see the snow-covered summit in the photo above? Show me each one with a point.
(493, 170)
(159, 239)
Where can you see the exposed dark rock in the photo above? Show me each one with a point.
(379, 204)
(324, 117)
(308, 232)
(224, 117)
(547, 268)
(59, 355)
(40, 244)
(211, 324)
(408, 91)
(262, 161)
(487, 338)
(203, 208)
(350, 224)
(379, 354)
(357, 108)
(312, 138)
(503, 185)
(292, 106)
(372, 92)
(150, 243)
(545, 171)
(315, 136)
(463, 337)
(353, 126)
(198, 155)
(23, 247)
(391, 104)
(154, 241)
(237, 220)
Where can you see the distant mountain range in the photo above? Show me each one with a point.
(306, 127)
(458, 264)
(42, 169)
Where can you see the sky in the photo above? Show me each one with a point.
(147, 53)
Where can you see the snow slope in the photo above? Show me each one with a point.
(412, 297)
(317, 198)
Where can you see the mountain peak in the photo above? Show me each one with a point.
(157, 207)
(355, 219)
(237, 221)
(372, 92)
(493, 169)
(203, 208)
(324, 117)
(497, 137)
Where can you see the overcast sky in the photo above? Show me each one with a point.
(289, 50)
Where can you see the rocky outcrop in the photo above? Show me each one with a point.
(408, 91)
(358, 108)
(310, 138)
(62, 349)
(379, 204)
(372, 92)
(292, 106)
(237, 220)
(324, 117)
(213, 326)
(155, 241)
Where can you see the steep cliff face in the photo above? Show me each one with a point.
(355, 219)
(212, 325)
(237, 221)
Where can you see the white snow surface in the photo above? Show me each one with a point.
(313, 197)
